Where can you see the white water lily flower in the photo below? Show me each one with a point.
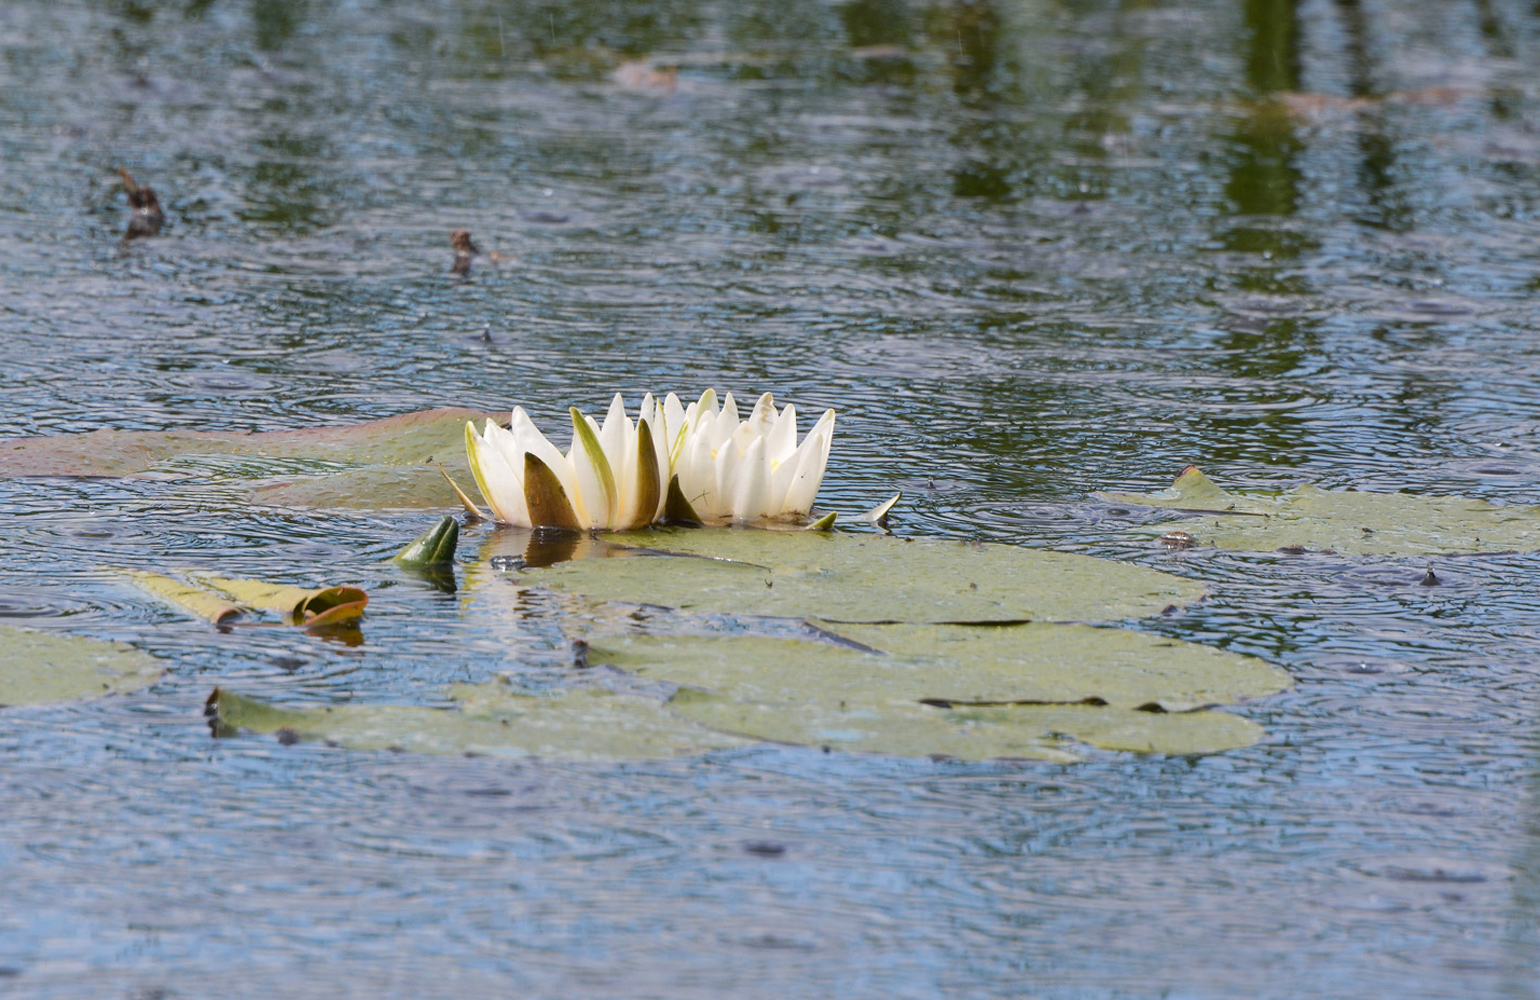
(747, 470)
(613, 476)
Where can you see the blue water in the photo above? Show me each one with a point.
(1028, 251)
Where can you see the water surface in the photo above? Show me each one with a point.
(1028, 250)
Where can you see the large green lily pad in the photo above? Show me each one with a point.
(379, 464)
(865, 578)
(39, 668)
(580, 724)
(1347, 521)
(1106, 687)
(1040, 732)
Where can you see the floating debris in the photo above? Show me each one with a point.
(467, 251)
(147, 217)
(1177, 540)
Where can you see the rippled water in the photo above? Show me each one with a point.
(1028, 250)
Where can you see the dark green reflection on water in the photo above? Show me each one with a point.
(1264, 179)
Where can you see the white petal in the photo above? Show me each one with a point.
(595, 501)
(811, 460)
(742, 437)
(727, 462)
(750, 491)
(697, 477)
(673, 417)
(502, 488)
(612, 433)
(527, 437)
(781, 442)
(762, 418)
(727, 422)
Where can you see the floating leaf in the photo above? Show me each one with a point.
(311, 608)
(41, 668)
(1015, 731)
(866, 578)
(1070, 663)
(214, 608)
(367, 488)
(581, 724)
(1106, 687)
(392, 459)
(1309, 518)
(216, 599)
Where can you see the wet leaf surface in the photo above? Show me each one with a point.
(865, 578)
(42, 668)
(1308, 518)
(582, 724)
(217, 599)
(1106, 687)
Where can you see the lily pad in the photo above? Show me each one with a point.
(865, 578)
(40, 668)
(1308, 518)
(382, 463)
(1036, 732)
(367, 488)
(1106, 687)
(580, 724)
(214, 608)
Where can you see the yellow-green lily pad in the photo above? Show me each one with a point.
(39, 668)
(579, 724)
(1034, 732)
(865, 578)
(217, 599)
(1308, 518)
(1111, 688)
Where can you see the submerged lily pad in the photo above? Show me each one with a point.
(582, 724)
(865, 578)
(393, 461)
(1347, 521)
(40, 668)
(1106, 687)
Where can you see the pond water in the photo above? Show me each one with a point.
(1029, 250)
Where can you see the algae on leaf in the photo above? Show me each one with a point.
(1308, 518)
(1105, 687)
(41, 668)
(864, 578)
(580, 724)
